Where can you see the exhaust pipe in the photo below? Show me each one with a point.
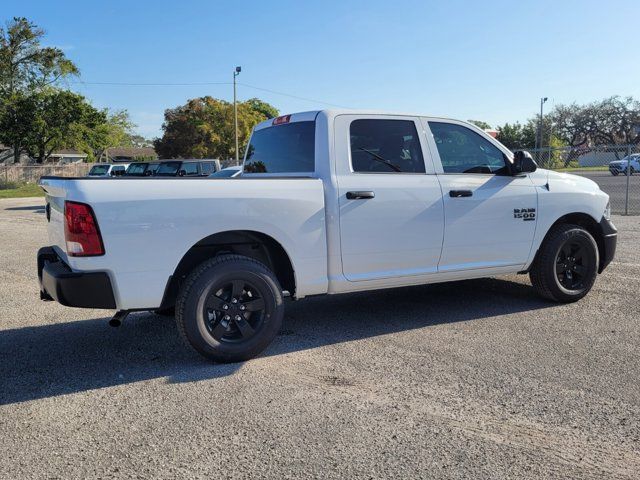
(118, 318)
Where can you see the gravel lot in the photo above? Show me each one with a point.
(616, 187)
(476, 379)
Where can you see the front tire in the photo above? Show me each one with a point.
(566, 265)
(230, 308)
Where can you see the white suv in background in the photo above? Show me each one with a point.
(620, 166)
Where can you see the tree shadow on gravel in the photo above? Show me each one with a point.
(62, 358)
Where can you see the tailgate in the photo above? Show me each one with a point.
(55, 194)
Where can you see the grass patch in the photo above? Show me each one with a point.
(19, 190)
(601, 168)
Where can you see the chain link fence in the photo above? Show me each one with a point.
(615, 168)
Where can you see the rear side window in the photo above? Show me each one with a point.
(207, 168)
(168, 168)
(462, 150)
(385, 146)
(287, 148)
(190, 168)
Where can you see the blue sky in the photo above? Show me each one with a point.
(489, 60)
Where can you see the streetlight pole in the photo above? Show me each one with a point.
(236, 72)
(539, 143)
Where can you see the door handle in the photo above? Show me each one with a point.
(360, 195)
(460, 193)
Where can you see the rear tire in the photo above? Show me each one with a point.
(566, 265)
(614, 173)
(230, 308)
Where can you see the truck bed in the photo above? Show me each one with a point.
(147, 225)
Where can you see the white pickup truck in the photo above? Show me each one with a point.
(328, 202)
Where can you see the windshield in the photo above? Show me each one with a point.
(99, 170)
(168, 168)
(287, 148)
(226, 173)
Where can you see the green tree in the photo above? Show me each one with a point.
(613, 120)
(55, 114)
(266, 109)
(26, 67)
(204, 127)
(17, 116)
(98, 130)
(516, 136)
(480, 124)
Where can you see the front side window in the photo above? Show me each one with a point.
(464, 151)
(385, 146)
(286, 148)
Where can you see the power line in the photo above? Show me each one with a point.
(195, 84)
(292, 96)
(131, 84)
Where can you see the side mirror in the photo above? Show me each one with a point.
(523, 162)
(182, 173)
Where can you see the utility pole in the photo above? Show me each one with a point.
(235, 111)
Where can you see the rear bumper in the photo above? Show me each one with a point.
(610, 240)
(72, 289)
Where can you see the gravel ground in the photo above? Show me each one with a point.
(476, 379)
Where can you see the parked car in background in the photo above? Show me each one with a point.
(620, 166)
(141, 169)
(229, 172)
(108, 170)
(187, 168)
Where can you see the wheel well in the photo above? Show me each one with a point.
(256, 245)
(589, 224)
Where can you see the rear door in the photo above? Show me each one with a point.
(390, 201)
(490, 215)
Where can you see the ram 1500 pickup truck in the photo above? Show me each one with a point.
(328, 202)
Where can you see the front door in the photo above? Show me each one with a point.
(391, 211)
(490, 215)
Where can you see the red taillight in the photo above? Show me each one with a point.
(281, 120)
(81, 231)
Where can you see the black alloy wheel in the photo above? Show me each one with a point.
(572, 264)
(234, 311)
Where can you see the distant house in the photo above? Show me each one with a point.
(131, 154)
(67, 156)
(492, 132)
